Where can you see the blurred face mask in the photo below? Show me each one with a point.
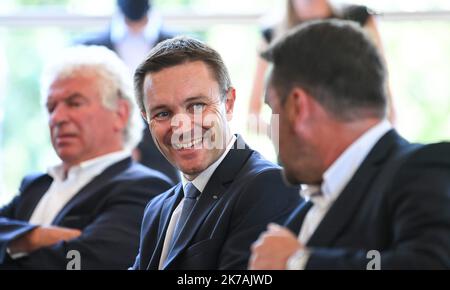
(134, 10)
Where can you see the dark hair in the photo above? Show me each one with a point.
(177, 51)
(134, 10)
(336, 63)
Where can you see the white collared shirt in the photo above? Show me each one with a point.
(200, 183)
(134, 47)
(202, 179)
(335, 178)
(63, 188)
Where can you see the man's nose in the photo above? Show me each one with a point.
(182, 121)
(58, 115)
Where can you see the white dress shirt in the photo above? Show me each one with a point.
(200, 183)
(134, 47)
(64, 188)
(335, 178)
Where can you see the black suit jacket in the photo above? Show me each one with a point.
(104, 39)
(108, 211)
(244, 194)
(398, 203)
(150, 155)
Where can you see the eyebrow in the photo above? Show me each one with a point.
(196, 98)
(157, 108)
(188, 100)
(75, 95)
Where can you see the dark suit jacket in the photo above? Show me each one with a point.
(244, 194)
(398, 203)
(108, 210)
(104, 39)
(150, 154)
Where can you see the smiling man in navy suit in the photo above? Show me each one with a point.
(373, 200)
(92, 202)
(228, 193)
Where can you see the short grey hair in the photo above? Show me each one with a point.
(114, 81)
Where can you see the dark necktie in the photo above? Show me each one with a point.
(190, 197)
(295, 222)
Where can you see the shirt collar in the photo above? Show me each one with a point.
(92, 167)
(119, 29)
(202, 179)
(342, 170)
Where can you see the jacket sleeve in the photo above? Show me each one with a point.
(11, 228)
(111, 240)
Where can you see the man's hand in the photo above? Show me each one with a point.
(273, 249)
(41, 237)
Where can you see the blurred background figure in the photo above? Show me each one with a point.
(133, 31)
(297, 12)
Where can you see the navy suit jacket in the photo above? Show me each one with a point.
(398, 203)
(104, 39)
(244, 194)
(108, 211)
(150, 155)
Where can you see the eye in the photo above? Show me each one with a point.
(74, 103)
(161, 116)
(50, 108)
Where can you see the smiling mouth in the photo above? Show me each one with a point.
(190, 145)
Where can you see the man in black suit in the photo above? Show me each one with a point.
(132, 33)
(89, 207)
(373, 200)
(225, 199)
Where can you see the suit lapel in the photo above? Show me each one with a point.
(167, 210)
(31, 200)
(213, 192)
(92, 187)
(345, 206)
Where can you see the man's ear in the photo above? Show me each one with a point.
(229, 103)
(122, 114)
(297, 107)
